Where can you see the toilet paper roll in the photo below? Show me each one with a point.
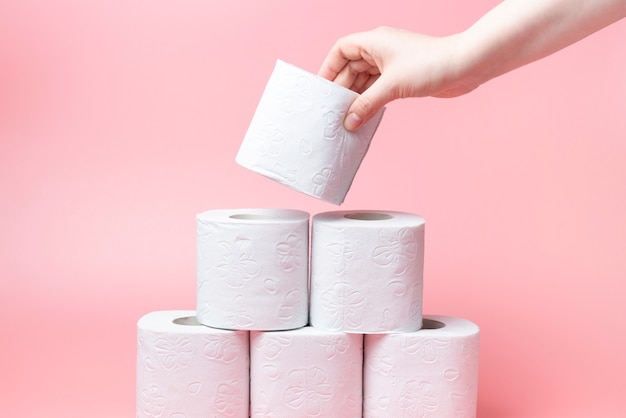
(306, 373)
(185, 369)
(253, 268)
(297, 138)
(432, 372)
(366, 271)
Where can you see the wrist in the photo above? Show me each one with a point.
(463, 71)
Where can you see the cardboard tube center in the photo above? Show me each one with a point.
(432, 324)
(252, 217)
(368, 216)
(187, 320)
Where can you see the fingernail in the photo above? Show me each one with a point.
(352, 122)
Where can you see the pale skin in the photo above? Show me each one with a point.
(386, 64)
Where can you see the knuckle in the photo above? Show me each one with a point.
(366, 105)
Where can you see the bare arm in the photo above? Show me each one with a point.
(518, 32)
(387, 64)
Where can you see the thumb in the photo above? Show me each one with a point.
(364, 107)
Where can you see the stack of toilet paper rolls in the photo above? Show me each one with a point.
(291, 326)
(257, 345)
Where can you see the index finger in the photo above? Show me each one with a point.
(346, 49)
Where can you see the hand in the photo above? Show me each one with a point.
(385, 64)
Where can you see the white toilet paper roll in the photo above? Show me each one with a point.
(306, 373)
(185, 369)
(366, 271)
(253, 268)
(297, 138)
(432, 372)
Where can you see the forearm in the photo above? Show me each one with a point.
(517, 32)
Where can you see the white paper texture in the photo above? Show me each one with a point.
(367, 271)
(430, 373)
(185, 369)
(297, 138)
(306, 373)
(253, 268)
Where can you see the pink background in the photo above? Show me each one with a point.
(120, 120)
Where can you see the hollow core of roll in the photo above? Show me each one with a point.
(187, 320)
(432, 324)
(252, 217)
(368, 216)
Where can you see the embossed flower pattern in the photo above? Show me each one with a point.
(305, 146)
(334, 130)
(174, 351)
(290, 305)
(152, 402)
(389, 321)
(273, 346)
(293, 94)
(417, 400)
(270, 141)
(309, 114)
(397, 287)
(288, 174)
(427, 349)
(239, 317)
(334, 345)
(308, 387)
(343, 305)
(341, 253)
(237, 264)
(461, 404)
(222, 348)
(228, 399)
(383, 364)
(290, 253)
(194, 388)
(397, 250)
(180, 368)
(325, 181)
